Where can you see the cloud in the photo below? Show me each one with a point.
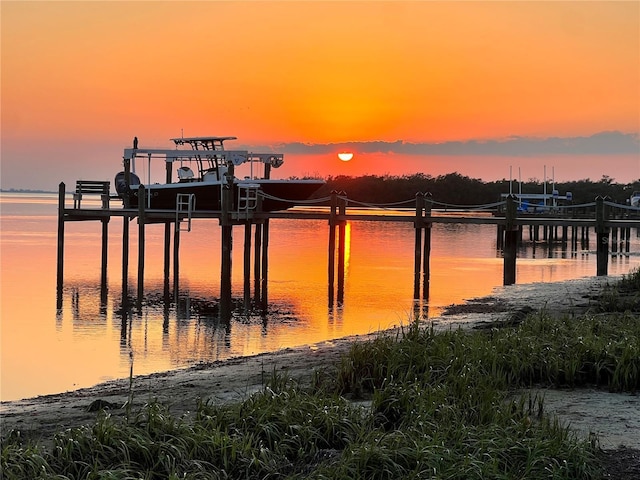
(603, 143)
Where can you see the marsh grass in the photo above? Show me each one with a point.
(623, 296)
(543, 349)
(438, 405)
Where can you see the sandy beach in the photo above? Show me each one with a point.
(613, 417)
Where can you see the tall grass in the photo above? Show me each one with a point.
(292, 434)
(623, 295)
(543, 349)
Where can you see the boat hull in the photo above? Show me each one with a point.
(279, 194)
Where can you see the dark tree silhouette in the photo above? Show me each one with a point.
(456, 189)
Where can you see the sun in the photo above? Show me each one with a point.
(345, 156)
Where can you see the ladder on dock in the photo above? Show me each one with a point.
(185, 203)
(248, 197)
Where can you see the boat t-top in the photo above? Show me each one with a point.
(202, 171)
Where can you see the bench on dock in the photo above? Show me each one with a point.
(91, 187)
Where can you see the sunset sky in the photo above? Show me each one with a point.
(432, 87)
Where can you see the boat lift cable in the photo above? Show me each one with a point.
(305, 202)
(371, 205)
(383, 206)
(486, 206)
(622, 206)
(412, 201)
(582, 205)
(408, 203)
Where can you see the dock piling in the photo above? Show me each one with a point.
(105, 243)
(176, 261)
(264, 284)
(342, 225)
(602, 237)
(125, 262)
(166, 259)
(247, 266)
(167, 243)
(417, 260)
(257, 263)
(510, 242)
(426, 256)
(141, 241)
(60, 259)
(332, 246)
(227, 242)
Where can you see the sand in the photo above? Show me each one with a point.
(614, 417)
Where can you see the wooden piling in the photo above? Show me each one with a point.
(417, 254)
(125, 262)
(104, 255)
(257, 264)
(627, 239)
(510, 242)
(247, 266)
(499, 236)
(141, 240)
(426, 255)
(167, 259)
(585, 238)
(167, 242)
(264, 291)
(342, 225)
(60, 257)
(127, 180)
(176, 260)
(225, 275)
(332, 246)
(614, 240)
(602, 238)
(105, 244)
(226, 242)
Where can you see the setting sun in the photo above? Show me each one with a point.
(345, 156)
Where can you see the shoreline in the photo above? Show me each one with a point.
(612, 416)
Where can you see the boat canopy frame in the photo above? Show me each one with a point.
(208, 153)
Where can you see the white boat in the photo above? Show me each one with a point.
(634, 200)
(202, 172)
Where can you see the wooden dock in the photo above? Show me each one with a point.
(611, 223)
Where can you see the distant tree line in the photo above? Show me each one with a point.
(457, 189)
(24, 190)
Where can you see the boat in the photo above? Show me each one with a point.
(634, 200)
(203, 172)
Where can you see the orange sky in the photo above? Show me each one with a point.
(80, 79)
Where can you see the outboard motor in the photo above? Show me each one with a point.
(276, 161)
(120, 183)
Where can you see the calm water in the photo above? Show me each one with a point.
(89, 340)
